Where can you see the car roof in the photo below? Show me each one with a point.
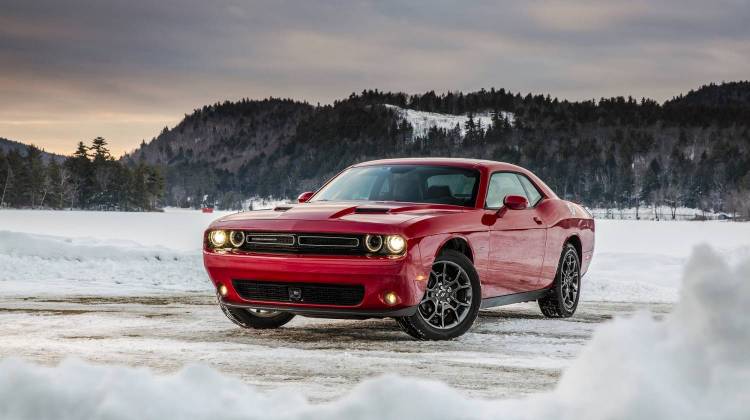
(457, 162)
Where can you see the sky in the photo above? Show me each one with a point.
(77, 69)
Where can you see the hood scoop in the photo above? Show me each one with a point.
(372, 210)
(282, 208)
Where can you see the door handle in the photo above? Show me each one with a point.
(538, 220)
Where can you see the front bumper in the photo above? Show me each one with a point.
(405, 276)
(327, 312)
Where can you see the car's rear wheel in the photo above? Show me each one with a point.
(562, 299)
(256, 318)
(451, 301)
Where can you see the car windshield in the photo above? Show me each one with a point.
(404, 183)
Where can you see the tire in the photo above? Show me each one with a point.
(562, 299)
(449, 308)
(248, 318)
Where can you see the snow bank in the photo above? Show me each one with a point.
(175, 228)
(51, 265)
(691, 365)
(47, 247)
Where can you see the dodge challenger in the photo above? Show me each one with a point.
(428, 242)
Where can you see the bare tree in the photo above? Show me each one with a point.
(8, 178)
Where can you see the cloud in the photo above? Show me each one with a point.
(65, 60)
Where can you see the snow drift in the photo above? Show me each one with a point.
(41, 264)
(690, 365)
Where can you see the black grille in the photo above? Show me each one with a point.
(328, 241)
(319, 294)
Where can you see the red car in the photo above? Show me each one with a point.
(425, 241)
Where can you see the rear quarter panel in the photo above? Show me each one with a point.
(565, 220)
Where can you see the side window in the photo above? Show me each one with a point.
(503, 184)
(532, 192)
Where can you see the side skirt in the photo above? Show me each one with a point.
(513, 298)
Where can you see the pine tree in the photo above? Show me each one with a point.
(81, 174)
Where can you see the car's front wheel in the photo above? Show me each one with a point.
(256, 318)
(451, 301)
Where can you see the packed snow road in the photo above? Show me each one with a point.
(510, 351)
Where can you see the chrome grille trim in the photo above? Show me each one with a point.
(269, 239)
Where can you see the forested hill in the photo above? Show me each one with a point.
(7, 146)
(693, 150)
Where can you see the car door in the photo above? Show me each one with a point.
(517, 237)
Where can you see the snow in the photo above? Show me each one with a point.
(642, 261)
(422, 121)
(123, 290)
(261, 203)
(663, 213)
(106, 253)
(691, 364)
(180, 229)
(101, 253)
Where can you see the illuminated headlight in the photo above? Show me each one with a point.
(237, 238)
(395, 244)
(373, 242)
(218, 238)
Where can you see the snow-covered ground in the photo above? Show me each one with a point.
(689, 364)
(128, 289)
(422, 121)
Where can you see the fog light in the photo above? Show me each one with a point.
(390, 298)
(223, 290)
(421, 277)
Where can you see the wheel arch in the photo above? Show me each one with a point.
(458, 244)
(576, 242)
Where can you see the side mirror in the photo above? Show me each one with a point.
(305, 197)
(515, 202)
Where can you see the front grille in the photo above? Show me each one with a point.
(328, 241)
(303, 243)
(312, 293)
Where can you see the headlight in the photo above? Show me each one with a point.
(218, 238)
(373, 242)
(395, 244)
(237, 238)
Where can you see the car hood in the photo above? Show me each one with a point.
(332, 216)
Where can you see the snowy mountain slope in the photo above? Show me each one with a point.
(422, 121)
